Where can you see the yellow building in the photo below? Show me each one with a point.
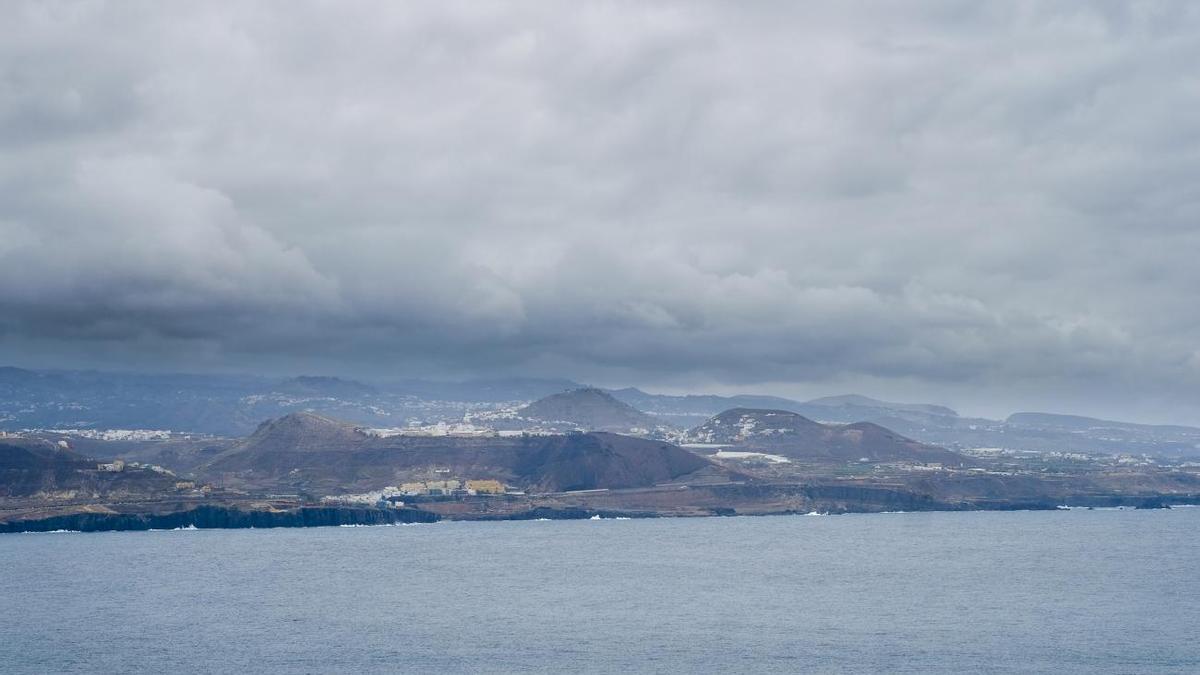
(442, 487)
(412, 488)
(485, 487)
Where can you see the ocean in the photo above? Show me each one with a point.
(1068, 591)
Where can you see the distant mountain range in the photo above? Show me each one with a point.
(684, 410)
(231, 405)
(313, 453)
(235, 405)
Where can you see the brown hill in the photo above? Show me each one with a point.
(319, 455)
(794, 436)
(294, 442)
(589, 409)
(602, 460)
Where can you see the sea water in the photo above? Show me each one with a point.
(1061, 591)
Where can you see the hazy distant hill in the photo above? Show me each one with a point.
(233, 405)
(688, 410)
(316, 454)
(792, 435)
(1078, 423)
(857, 403)
(590, 409)
(309, 385)
(751, 426)
(494, 390)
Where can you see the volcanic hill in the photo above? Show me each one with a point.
(319, 455)
(589, 409)
(792, 435)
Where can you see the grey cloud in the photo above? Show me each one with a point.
(917, 197)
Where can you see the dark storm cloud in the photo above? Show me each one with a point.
(915, 197)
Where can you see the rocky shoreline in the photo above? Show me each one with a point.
(219, 517)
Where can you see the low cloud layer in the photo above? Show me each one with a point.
(982, 203)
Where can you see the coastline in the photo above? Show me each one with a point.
(213, 516)
(219, 517)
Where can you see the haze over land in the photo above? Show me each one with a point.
(985, 205)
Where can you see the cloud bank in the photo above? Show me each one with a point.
(995, 202)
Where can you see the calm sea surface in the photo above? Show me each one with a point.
(1077, 591)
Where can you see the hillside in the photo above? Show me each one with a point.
(686, 410)
(305, 432)
(588, 409)
(280, 444)
(232, 405)
(867, 403)
(321, 386)
(792, 435)
(602, 460)
(315, 454)
(751, 426)
(27, 468)
(35, 469)
(689, 409)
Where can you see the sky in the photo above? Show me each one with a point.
(994, 206)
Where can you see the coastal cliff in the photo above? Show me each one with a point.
(220, 517)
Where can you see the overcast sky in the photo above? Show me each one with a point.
(992, 205)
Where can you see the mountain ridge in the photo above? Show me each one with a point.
(309, 452)
(794, 436)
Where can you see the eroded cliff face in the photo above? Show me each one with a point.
(210, 516)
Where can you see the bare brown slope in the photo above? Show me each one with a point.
(284, 443)
(602, 460)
